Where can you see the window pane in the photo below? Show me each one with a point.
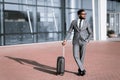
(0, 17)
(0, 40)
(22, 1)
(16, 27)
(87, 4)
(71, 14)
(18, 39)
(89, 15)
(113, 19)
(19, 19)
(14, 1)
(73, 3)
(45, 37)
(49, 19)
(49, 22)
(49, 2)
(1, 23)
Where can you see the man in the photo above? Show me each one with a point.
(82, 35)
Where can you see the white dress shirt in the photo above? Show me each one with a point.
(79, 22)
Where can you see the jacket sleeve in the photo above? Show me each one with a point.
(89, 32)
(69, 31)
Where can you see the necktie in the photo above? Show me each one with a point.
(80, 23)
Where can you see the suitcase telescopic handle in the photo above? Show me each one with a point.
(63, 51)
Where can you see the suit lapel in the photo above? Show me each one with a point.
(76, 25)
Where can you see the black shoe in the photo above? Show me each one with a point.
(80, 70)
(81, 73)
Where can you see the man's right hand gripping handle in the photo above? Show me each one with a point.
(64, 42)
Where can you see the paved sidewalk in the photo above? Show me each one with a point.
(38, 61)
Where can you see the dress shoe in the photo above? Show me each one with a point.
(81, 73)
(79, 70)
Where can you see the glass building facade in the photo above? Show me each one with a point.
(30, 21)
(34, 21)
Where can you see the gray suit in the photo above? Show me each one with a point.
(81, 36)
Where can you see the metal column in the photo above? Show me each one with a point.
(99, 19)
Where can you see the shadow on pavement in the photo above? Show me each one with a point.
(37, 66)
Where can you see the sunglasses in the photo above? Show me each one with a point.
(83, 13)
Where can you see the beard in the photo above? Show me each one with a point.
(82, 17)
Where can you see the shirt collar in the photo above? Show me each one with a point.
(78, 21)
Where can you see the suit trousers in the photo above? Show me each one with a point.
(79, 53)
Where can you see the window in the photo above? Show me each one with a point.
(0, 17)
(31, 2)
(20, 19)
(113, 19)
(73, 3)
(1, 23)
(49, 23)
(55, 3)
(87, 4)
(19, 24)
(28, 21)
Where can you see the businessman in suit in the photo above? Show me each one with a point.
(82, 35)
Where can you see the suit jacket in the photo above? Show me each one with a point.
(82, 34)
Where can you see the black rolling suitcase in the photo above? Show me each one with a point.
(61, 64)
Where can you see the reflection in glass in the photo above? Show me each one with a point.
(0, 23)
(87, 4)
(45, 37)
(49, 22)
(19, 20)
(22, 1)
(18, 39)
(49, 2)
(49, 19)
(113, 19)
(29, 20)
(73, 3)
(71, 14)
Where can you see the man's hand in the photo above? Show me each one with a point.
(87, 41)
(64, 42)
